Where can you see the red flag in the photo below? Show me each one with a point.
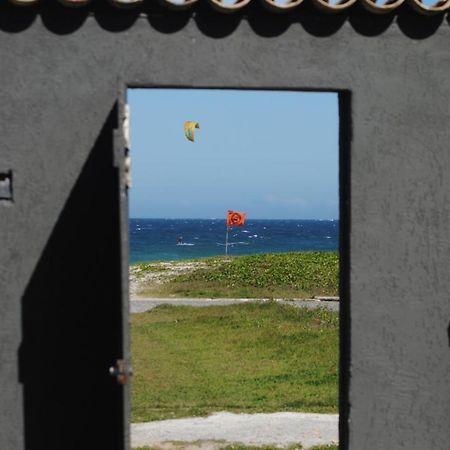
(235, 218)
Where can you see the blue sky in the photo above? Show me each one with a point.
(272, 154)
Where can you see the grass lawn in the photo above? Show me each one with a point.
(258, 357)
(271, 275)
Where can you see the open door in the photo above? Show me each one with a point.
(74, 353)
(122, 370)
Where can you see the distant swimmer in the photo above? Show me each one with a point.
(180, 240)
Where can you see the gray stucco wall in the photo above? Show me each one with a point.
(61, 73)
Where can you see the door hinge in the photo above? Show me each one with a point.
(127, 168)
(126, 137)
(122, 371)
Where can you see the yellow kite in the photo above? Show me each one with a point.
(189, 126)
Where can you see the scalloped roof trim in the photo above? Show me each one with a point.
(327, 6)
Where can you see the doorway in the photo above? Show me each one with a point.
(272, 156)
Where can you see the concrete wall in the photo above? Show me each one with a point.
(61, 72)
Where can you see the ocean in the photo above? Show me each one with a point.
(167, 239)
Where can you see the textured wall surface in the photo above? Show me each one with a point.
(61, 74)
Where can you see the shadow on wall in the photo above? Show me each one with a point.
(71, 324)
(62, 20)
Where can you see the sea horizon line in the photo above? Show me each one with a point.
(224, 219)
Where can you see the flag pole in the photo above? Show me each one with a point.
(226, 241)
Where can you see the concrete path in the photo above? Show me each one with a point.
(214, 431)
(138, 305)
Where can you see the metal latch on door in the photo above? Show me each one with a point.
(122, 371)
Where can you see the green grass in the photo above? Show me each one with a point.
(272, 275)
(258, 357)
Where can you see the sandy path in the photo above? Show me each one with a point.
(281, 428)
(138, 305)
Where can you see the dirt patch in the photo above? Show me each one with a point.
(199, 445)
(288, 430)
(158, 273)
